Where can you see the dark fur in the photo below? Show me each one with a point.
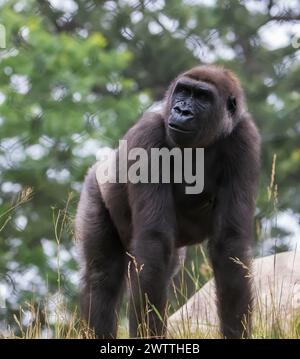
(151, 221)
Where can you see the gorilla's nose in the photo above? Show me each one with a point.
(183, 111)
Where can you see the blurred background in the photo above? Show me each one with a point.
(76, 74)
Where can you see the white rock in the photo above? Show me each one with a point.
(276, 281)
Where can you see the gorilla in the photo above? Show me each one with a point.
(132, 233)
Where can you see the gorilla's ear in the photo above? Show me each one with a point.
(231, 104)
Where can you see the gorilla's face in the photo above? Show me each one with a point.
(197, 114)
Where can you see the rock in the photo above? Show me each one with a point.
(276, 282)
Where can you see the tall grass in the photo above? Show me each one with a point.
(54, 319)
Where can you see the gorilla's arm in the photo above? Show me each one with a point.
(152, 246)
(153, 238)
(230, 247)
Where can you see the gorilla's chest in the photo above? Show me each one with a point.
(194, 212)
(194, 218)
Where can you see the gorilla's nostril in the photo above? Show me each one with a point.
(187, 113)
(182, 111)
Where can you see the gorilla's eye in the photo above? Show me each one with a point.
(203, 95)
(231, 104)
(183, 90)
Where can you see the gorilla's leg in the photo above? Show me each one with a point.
(104, 261)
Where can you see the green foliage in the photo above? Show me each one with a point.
(59, 90)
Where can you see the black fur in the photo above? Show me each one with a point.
(151, 221)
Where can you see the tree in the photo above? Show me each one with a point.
(63, 96)
(76, 75)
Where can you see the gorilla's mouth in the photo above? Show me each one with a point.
(177, 128)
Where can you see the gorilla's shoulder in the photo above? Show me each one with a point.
(148, 132)
(246, 131)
